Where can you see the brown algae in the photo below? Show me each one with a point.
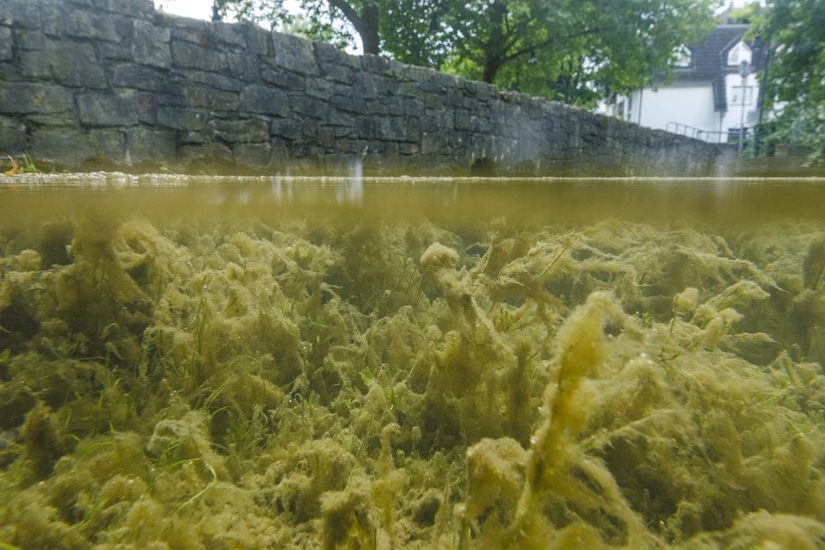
(300, 382)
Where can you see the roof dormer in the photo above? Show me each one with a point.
(683, 57)
(738, 53)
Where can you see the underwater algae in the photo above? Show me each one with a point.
(309, 384)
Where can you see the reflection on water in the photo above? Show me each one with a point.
(360, 362)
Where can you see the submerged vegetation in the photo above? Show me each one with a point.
(294, 384)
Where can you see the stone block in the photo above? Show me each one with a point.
(243, 66)
(194, 138)
(286, 128)
(461, 120)
(258, 41)
(30, 40)
(147, 107)
(338, 73)
(108, 109)
(294, 54)
(210, 153)
(253, 154)
(340, 118)
(70, 63)
(284, 80)
(256, 98)
(134, 8)
(65, 146)
(181, 118)
(12, 136)
(84, 24)
(375, 107)
(240, 131)
(396, 106)
(5, 44)
(142, 77)
(151, 145)
(308, 106)
(217, 81)
(349, 104)
(151, 45)
(108, 144)
(112, 51)
(229, 33)
(198, 95)
(24, 97)
(193, 56)
(319, 87)
(365, 86)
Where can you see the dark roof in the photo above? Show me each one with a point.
(709, 61)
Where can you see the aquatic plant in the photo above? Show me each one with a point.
(191, 384)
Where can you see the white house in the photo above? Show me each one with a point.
(708, 97)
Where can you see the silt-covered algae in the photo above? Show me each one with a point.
(410, 385)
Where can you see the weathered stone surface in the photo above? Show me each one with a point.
(108, 109)
(198, 95)
(64, 146)
(70, 63)
(262, 99)
(150, 145)
(182, 118)
(151, 45)
(233, 35)
(24, 97)
(136, 8)
(210, 153)
(253, 154)
(108, 144)
(286, 128)
(5, 44)
(242, 66)
(84, 24)
(294, 54)
(258, 41)
(308, 106)
(217, 81)
(12, 136)
(240, 131)
(284, 80)
(113, 79)
(193, 56)
(142, 77)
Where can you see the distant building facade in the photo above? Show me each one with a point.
(708, 97)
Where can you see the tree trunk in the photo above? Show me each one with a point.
(491, 67)
(492, 49)
(365, 23)
(369, 29)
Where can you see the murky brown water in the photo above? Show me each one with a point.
(417, 363)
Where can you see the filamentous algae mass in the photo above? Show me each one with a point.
(211, 368)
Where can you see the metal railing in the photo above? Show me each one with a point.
(731, 136)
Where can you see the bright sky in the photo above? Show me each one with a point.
(202, 9)
(197, 9)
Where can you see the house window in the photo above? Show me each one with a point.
(739, 53)
(740, 98)
(620, 109)
(684, 57)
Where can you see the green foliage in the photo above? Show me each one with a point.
(797, 72)
(573, 51)
(568, 50)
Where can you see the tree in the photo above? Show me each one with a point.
(568, 47)
(796, 74)
(575, 51)
(408, 29)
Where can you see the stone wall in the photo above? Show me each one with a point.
(116, 84)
